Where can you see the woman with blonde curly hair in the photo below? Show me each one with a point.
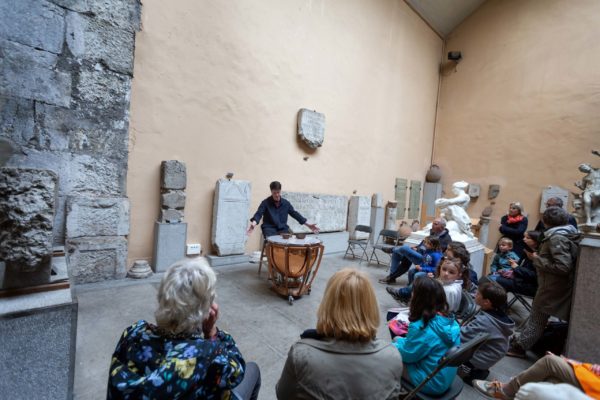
(342, 359)
(184, 355)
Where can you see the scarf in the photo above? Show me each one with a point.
(514, 220)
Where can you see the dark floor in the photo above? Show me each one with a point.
(263, 324)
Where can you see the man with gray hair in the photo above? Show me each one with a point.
(404, 256)
(555, 202)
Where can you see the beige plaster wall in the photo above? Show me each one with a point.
(522, 108)
(218, 85)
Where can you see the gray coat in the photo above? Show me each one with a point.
(335, 369)
(555, 266)
(496, 346)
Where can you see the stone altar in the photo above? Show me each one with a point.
(230, 216)
(329, 212)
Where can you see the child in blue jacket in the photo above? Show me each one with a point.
(431, 259)
(431, 334)
(504, 260)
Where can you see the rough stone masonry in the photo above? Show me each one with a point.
(65, 82)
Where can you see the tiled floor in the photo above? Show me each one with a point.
(263, 324)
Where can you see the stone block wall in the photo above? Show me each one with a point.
(65, 82)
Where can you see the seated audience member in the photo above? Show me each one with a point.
(342, 359)
(492, 319)
(184, 355)
(449, 273)
(470, 279)
(504, 260)
(555, 266)
(431, 259)
(552, 368)
(431, 334)
(555, 202)
(513, 225)
(523, 279)
(404, 256)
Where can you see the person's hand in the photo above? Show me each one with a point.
(209, 325)
(418, 267)
(313, 227)
(513, 263)
(250, 229)
(430, 274)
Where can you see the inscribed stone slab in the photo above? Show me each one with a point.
(359, 213)
(311, 127)
(554, 191)
(329, 212)
(474, 190)
(414, 205)
(400, 187)
(230, 216)
(94, 259)
(169, 245)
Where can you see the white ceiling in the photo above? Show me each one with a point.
(444, 15)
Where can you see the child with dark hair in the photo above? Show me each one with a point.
(431, 259)
(431, 334)
(492, 319)
(469, 276)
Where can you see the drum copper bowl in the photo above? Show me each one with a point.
(300, 235)
(286, 235)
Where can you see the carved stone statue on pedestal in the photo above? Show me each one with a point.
(590, 184)
(454, 210)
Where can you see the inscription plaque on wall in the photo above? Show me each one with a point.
(311, 127)
(414, 202)
(329, 212)
(401, 197)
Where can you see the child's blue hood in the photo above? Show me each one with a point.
(446, 328)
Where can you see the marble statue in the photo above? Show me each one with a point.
(590, 184)
(454, 210)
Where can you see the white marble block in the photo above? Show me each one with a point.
(329, 212)
(359, 213)
(554, 191)
(230, 216)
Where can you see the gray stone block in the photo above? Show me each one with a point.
(169, 244)
(173, 175)
(230, 216)
(583, 341)
(29, 73)
(97, 175)
(16, 120)
(311, 127)
(102, 89)
(94, 259)
(121, 13)
(173, 199)
(38, 336)
(27, 198)
(219, 261)
(97, 40)
(35, 23)
(97, 216)
(170, 216)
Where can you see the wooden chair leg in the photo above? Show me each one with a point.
(262, 255)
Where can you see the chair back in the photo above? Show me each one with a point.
(454, 357)
(363, 228)
(467, 309)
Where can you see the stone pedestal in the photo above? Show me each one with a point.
(583, 342)
(431, 192)
(37, 350)
(169, 244)
(475, 249)
(359, 213)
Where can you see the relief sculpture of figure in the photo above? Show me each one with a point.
(590, 184)
(455, 209)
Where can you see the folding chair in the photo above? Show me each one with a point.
(454, 357)
(467, 309)
(521, 298)
(386, 241)
(362, 244)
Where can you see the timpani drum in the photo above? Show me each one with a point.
(293, 264)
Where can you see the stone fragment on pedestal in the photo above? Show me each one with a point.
(27, 201)
(173, 175)
(170, 216)
(390, 215)
(174, 199)
(97, 216)
(94, 259)
(230, 216)
(359, 213)
(377, 216)
(140, 270)
(431, 192)
(169, 244)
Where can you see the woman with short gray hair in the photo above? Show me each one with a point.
(184, 355)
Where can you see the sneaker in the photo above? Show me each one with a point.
(491, 389)
(387, 280)
(393, 292)
(514, 350)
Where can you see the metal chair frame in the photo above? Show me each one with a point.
(380, 244)
(363, 244)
